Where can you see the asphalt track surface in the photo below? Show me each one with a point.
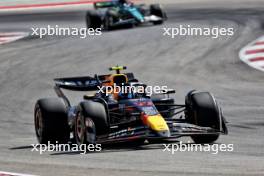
(27, 68)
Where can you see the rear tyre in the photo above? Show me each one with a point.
(93, 20)
(91, 121)
(84, 130)
(202, 110)
(51, 121)
(155, 9)
(108, 22)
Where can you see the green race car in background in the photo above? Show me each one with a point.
(113, 14)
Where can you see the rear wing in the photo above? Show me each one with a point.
(86, 83)
(78, 83)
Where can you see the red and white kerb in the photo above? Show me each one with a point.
(253, 54)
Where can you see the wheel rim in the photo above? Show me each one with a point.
(38, 123)
(79, 129)
(90, 131)
(85, 131)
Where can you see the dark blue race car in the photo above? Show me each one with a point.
(113, 14)
(126, 116)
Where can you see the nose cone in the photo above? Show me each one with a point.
(157, 124)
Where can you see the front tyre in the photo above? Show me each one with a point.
(155, 9)
(202, 110)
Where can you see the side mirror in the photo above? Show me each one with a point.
(169, 91)
(133, 80)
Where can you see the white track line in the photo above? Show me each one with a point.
(253, 54)
(13, 174)
(8, 37)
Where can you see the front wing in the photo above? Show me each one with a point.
(142, 132)
(147, 19)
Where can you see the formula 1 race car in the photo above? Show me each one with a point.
(109, 116)
(112, 14)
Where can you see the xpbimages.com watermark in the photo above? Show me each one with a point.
(191, 147)
(130, 89)
(188, 30)
(65, 31)
(50, 147)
